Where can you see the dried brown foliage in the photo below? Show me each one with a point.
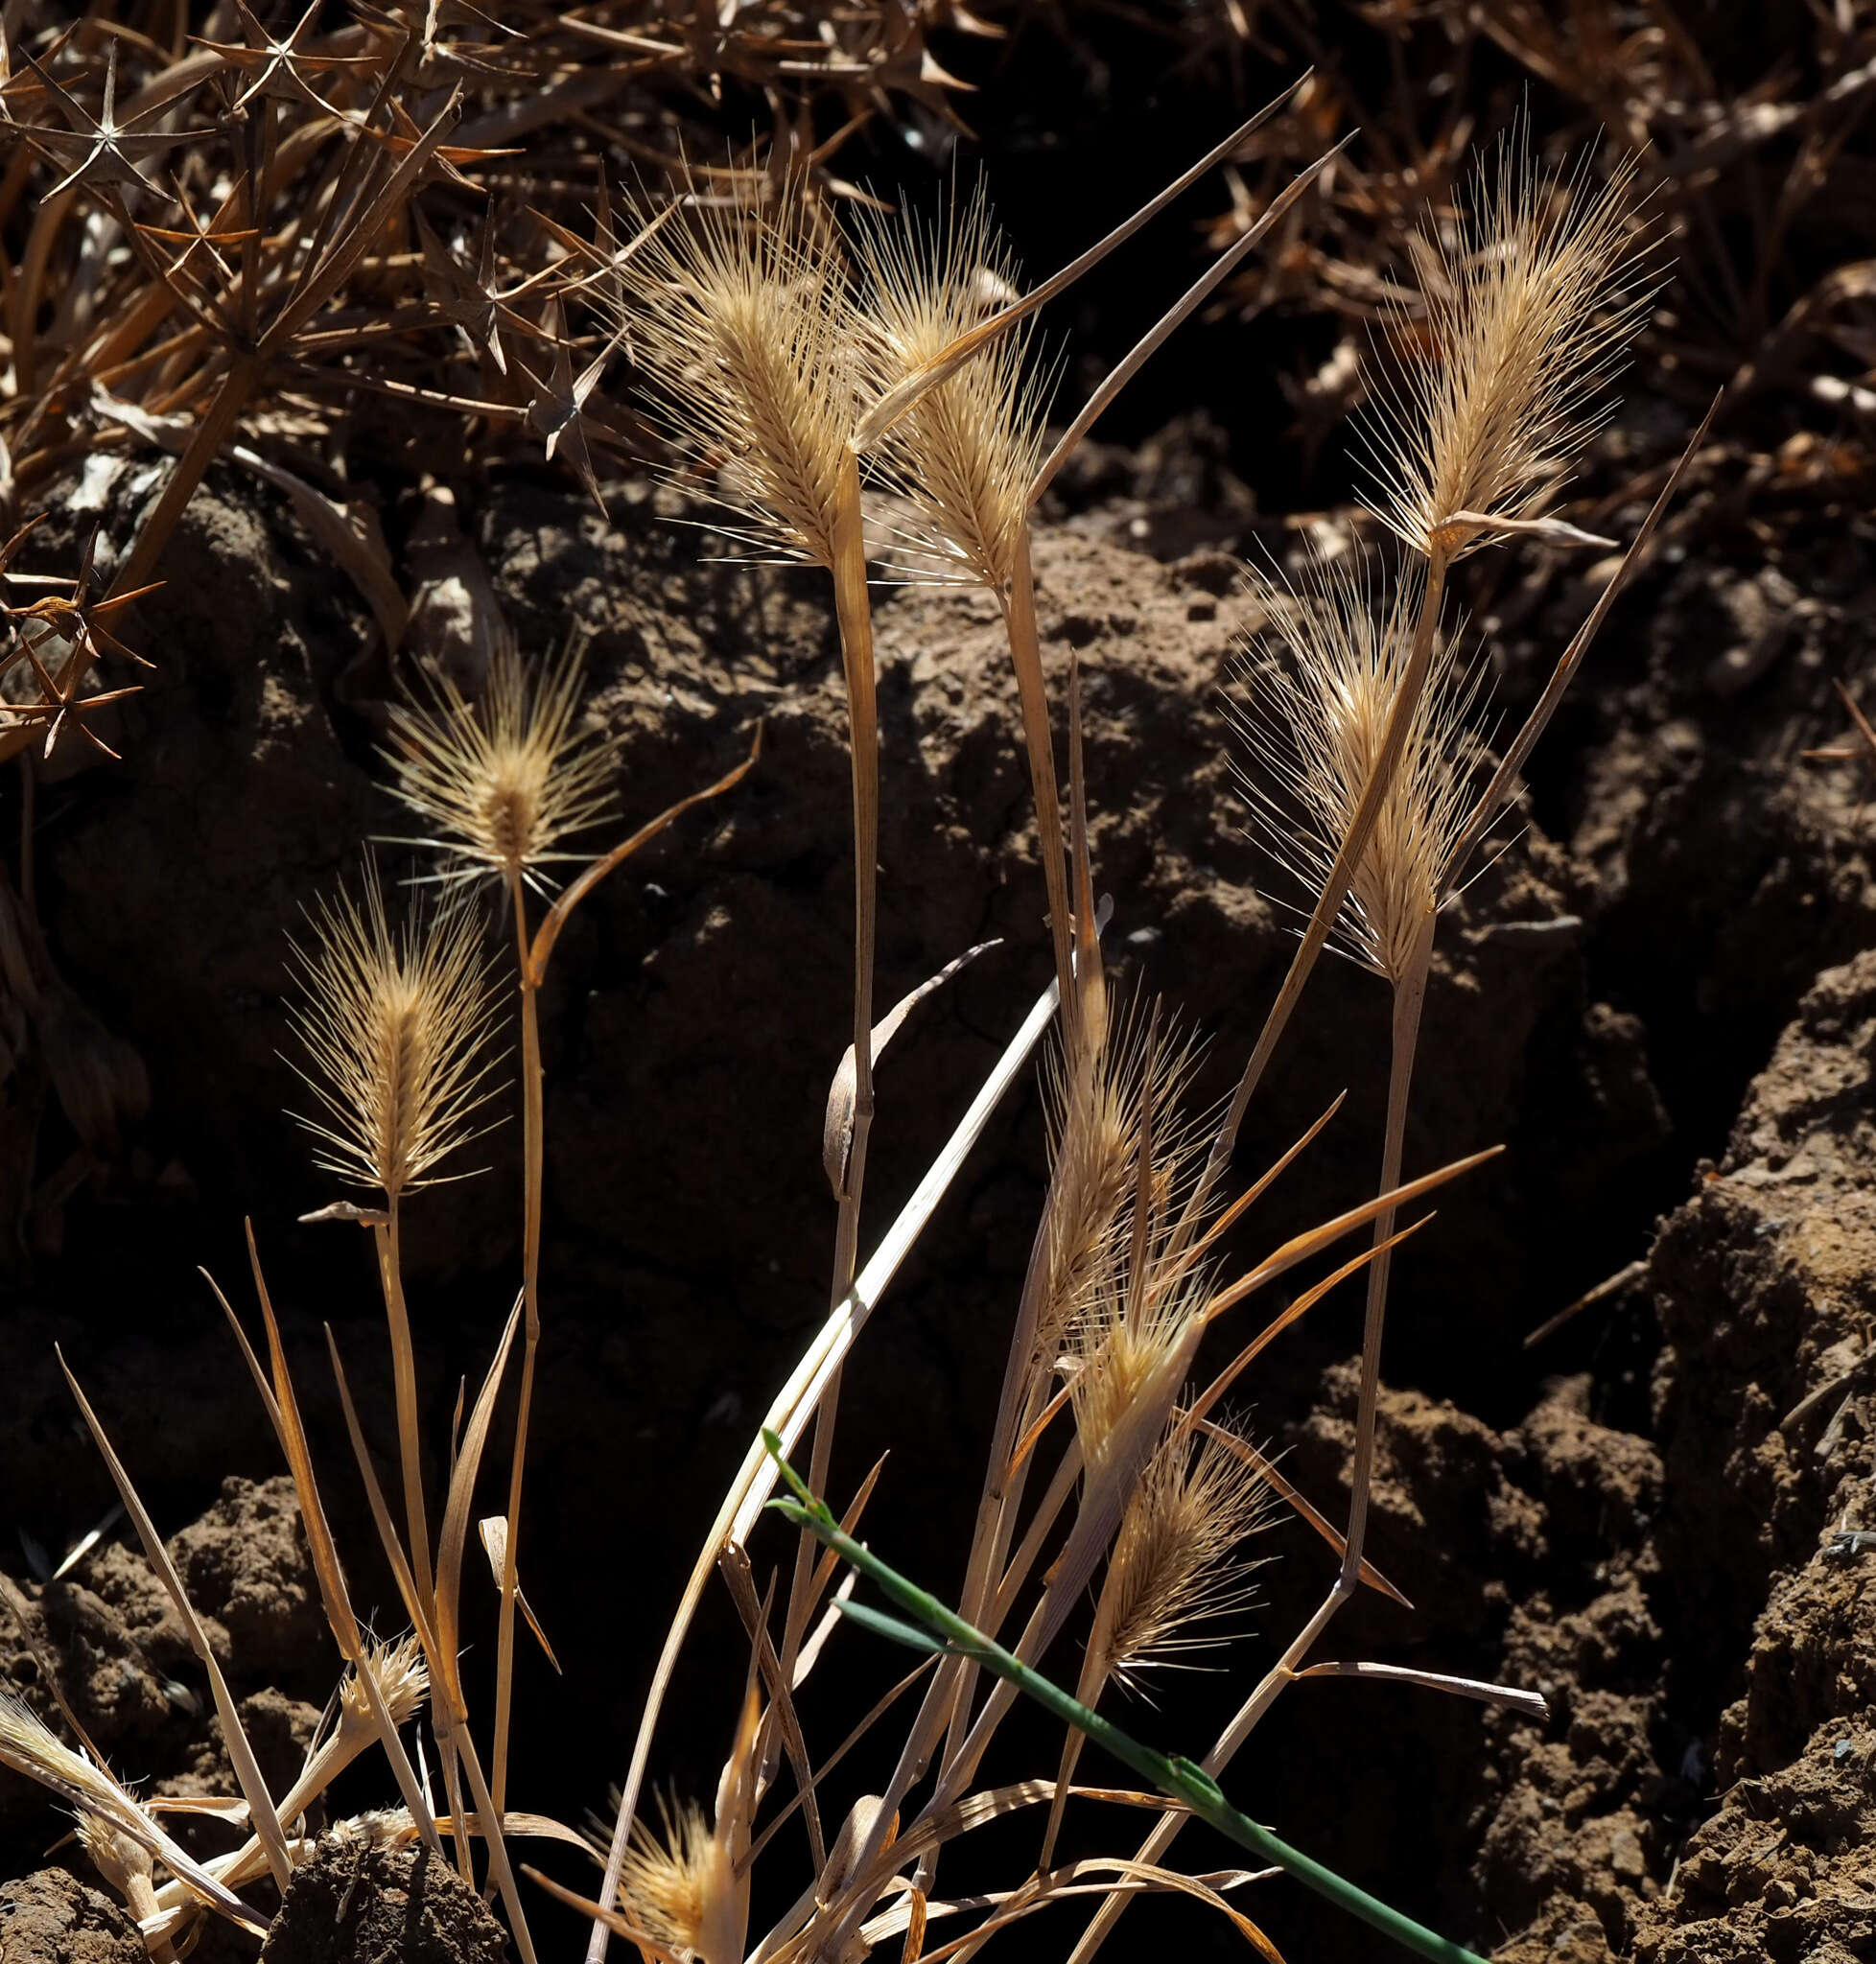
(243, 240)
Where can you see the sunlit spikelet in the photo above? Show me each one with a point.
(1128, 1347)
(398, 1666)
(380, 1827)
(1095, 1111)
(1531, 297)
(741, 318)
(394, 1022)
(1314, 727)
(677, 1884)
(30, 1747)
(1175, 1569)
(501, 784)
(966, 454)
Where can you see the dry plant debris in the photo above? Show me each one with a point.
(238, 242)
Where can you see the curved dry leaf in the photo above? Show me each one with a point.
(837, 1128)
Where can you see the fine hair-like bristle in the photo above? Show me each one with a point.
(740, 317)
(965, 455)
(499, 783)
(1174, 1570)
(1314, 726)
(394, 1022)
(1532, 296)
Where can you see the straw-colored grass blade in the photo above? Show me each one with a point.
(241, 1753)
(333, 1591)
(1529, 1703)
(897, 401)
(788, 1415)
(455, 1532)
(1176, 314)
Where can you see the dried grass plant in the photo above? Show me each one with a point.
(800, 376)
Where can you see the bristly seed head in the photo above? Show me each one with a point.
(1172, 1566)
(1531, 297)
(30, 1747)
(1316, 727)
(502, 783)
(741, 320)
(394, 1023)
(966, 455)
(676, 1885)
(1097, 1111)
(402, 1679)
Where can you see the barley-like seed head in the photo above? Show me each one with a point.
(1314, 727)
(1096, 1108)
(30, 1747)
(502, 783)
(395, 1025)
(1173, 1568)
(965, 455)
(741, 318)
(1531, 297)
(677, 1884)
(402, 1678)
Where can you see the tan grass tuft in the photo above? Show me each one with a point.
(402, 1678)
(502, 783)
(1173, 1568)
(30, 1747)
(393, 1023)
(677, 1884)
(1097, 1112)
(1125, 1347)
(966, 455)
(1315, 726)
(740, 317)
(1531, 297)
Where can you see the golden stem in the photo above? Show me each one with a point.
(531, 1176)
(853, 612)
(403, 1375)
(1409, 995)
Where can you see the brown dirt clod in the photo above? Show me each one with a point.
(354, 1904)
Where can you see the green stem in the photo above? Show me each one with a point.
(947, 1634)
